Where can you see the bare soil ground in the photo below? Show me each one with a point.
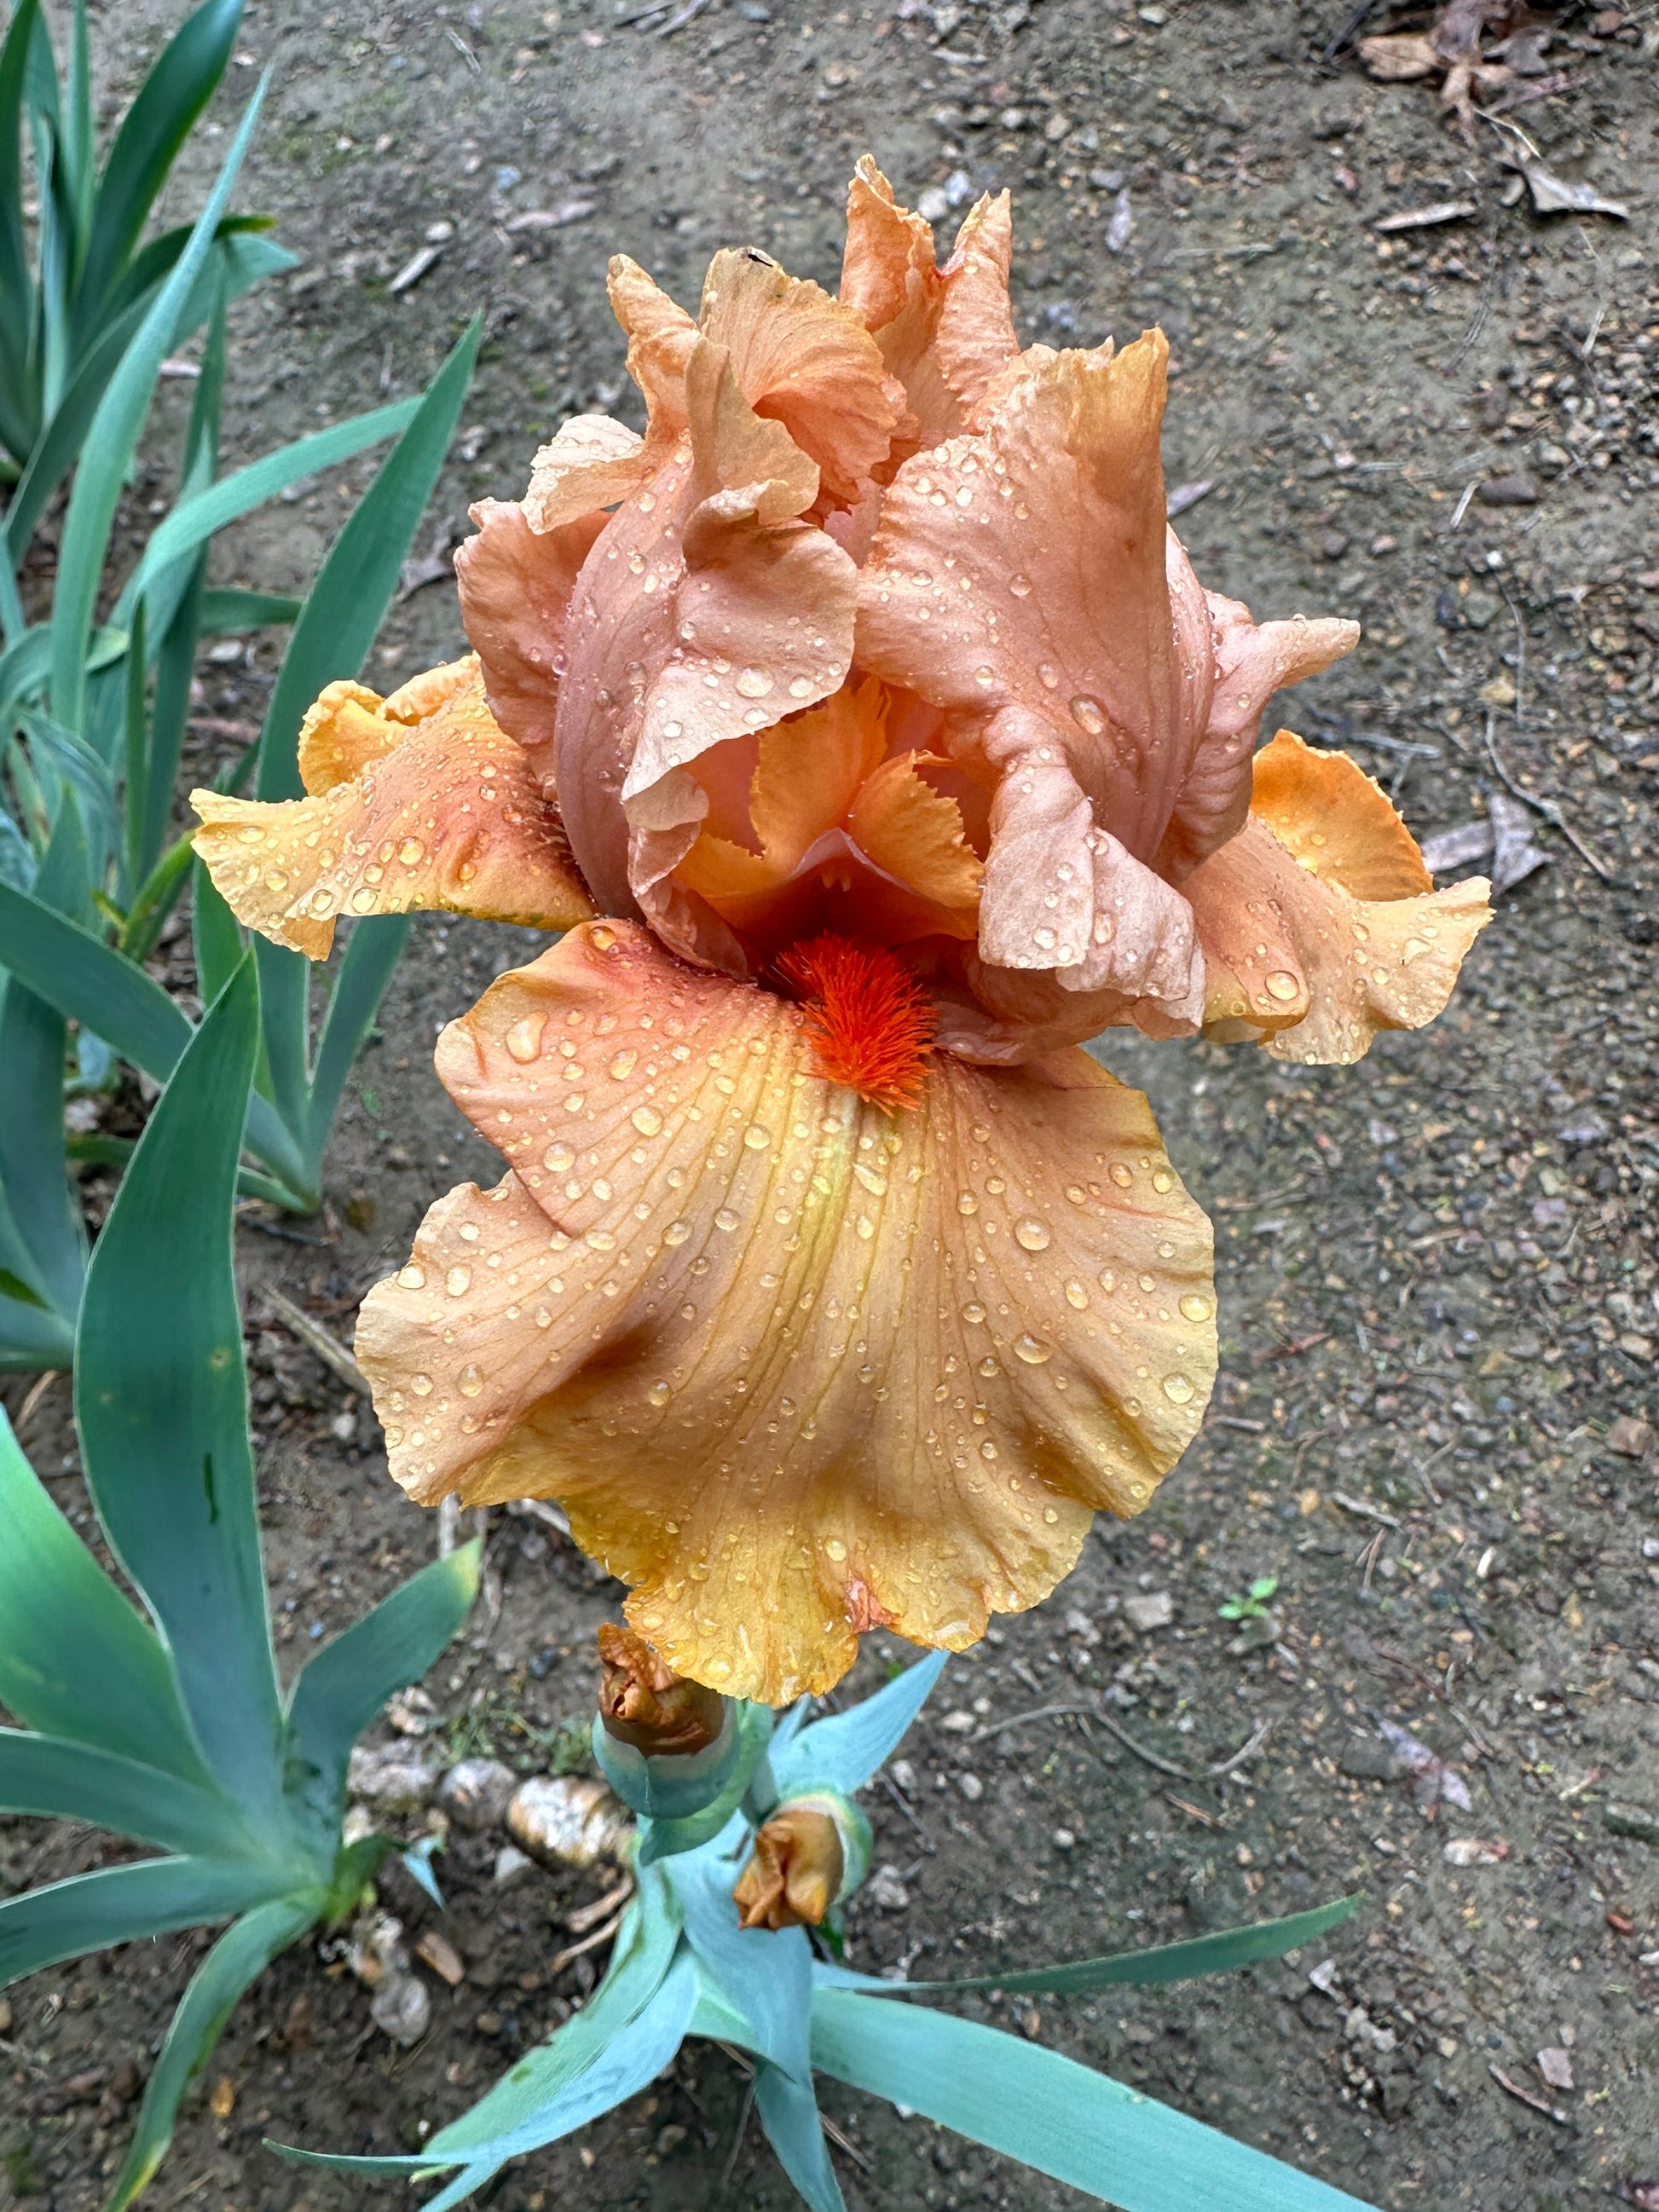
(1438, 1268)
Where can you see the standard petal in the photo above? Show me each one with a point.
(976, 337)
(1064, 895)
(452, 818)
(795, 1366)
(591, 463)
(803, 359)
(515, 587)
(660, 337)
(1317, 927)
(1025, 568)
(1251, 663)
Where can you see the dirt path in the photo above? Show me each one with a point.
(1438, 1268)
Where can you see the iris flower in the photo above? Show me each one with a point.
(863, 726)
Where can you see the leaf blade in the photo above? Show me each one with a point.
(1051, 2113)
(58, 1780)
(118, 1904)
(160, 1401)
(236, 1960)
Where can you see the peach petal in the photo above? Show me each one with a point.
(1062, 894)
(451, 819)
(803, 359)
(1251, 663)
(620, 620)
(591, 463)
(1296, 959)
(915, 834)
(515, 588)
(660, 337)
(346, 729)
(1335, 820)
(794, 1366)
(1026, 568)
(975, 336)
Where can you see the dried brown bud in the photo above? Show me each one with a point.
(645, 1704)
(795, 1874)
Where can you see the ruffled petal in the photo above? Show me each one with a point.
(449, 818)
(1250, 663)
(1064, 895)
(1317, 927)
(945, 333)
(515, 587)
(591, 463)
(976, 337)
(915, 835)
(349, 726)
(1335, 821)
(795, 1367)
(660, 337)
(803, 359)
(1026, 569)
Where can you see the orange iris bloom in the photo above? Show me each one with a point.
(872, 702)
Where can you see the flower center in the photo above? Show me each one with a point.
(869, 1022)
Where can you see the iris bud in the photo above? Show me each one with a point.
(645, 1704)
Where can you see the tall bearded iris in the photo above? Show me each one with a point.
(870, 700)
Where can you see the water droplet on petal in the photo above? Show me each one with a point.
(524, 1039)
(973, 1313)
(622, 1066)
(457, 1282)
(1032, 1235)
(725, 1219)
(421, 1385)
(1178, 1389)
(754, 683)
(1283, 986)
(470, 1380)
(677, 1232)
(645, 1120)
(1196, 1308)
(559, 1158)
(413, 1277)
(1089, 714)
(1033, 1349)
(1020, 586)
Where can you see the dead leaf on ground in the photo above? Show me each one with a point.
(1553, 195)
(1489, 54)
(1475, 1850)
(1433, 1778)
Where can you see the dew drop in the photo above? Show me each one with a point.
(457, 1281)
(413, 1277)
(421, 1385)
(1076, 1297)
(659, 1393)
(1121, 1174)
(622, 1066)
(1282, 986)
(470, 1380)
(559, 1158)
(1089, 714)
(411, 852)
(524, 1039)
(1033, 1349)
(754, 683)
(756, 1138)
(1020, 586)
(645, 1120)
(1163, 1179)
(725, 1219)
(1032, 1235)
(1196, 1308)
(973, 1313)
(1048, 675)
(966, 1202)
(1178, 1389)
(677, 1232)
